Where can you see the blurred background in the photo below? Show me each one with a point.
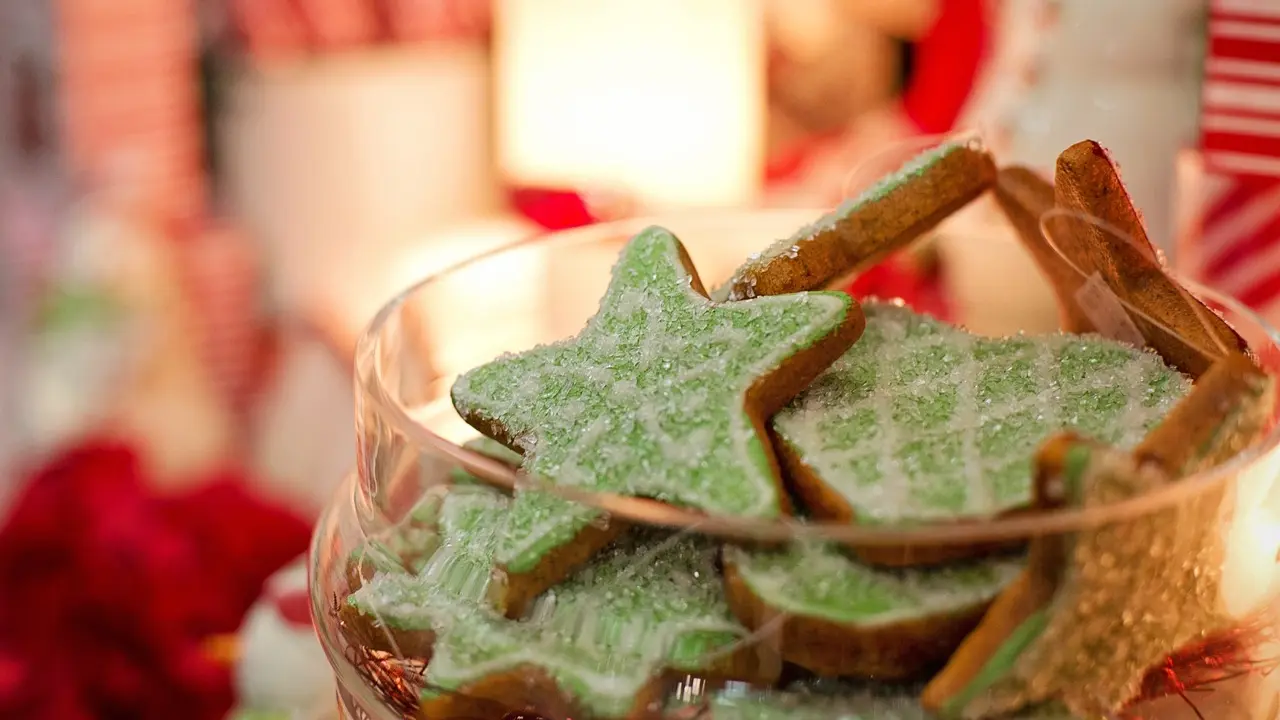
(202, 203)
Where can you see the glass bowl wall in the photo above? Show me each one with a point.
(409, 437)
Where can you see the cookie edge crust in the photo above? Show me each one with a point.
(899, 650)
(766, 395)
(872, 230)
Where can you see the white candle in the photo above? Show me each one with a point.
(663, 99)
(337, 163)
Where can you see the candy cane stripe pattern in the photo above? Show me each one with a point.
(1239, 247)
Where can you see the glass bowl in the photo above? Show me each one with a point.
(410, 447)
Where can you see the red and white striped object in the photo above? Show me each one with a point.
(1238, 247)
(280, 27)
(222, 276)
(129, 108)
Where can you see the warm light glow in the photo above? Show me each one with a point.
(354, 301)
(497, 305)
(1250, 571)
(440, 250)
(663, 99)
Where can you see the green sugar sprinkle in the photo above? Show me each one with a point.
(489, 447)
(1000, 663)
(912, 169)
(836, 700)
(820, 581)
(648, 602)
(921, 421)
(648, 400)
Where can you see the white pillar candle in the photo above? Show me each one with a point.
(337, 163)
(663, 99)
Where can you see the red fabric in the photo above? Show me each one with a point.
(898, 279)
(111, 591)
(553, 209)
(947, 61)
(294, 607)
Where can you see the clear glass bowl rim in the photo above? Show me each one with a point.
(650, 512)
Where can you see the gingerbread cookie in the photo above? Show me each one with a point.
(1111, 253)
(1095, 611)
(663, 395)
(403, 547)
(1227, 410)
(836, 700)
(594, 646)
(923, 422)
(1026, 198)
(406, 545)
(864, 229)
(489, 448)
(839, 617)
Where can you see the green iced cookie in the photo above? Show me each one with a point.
(404, 546)
(921, 421)
(260, 715)
(890, 213)
(645, 604)
(656, 397)
(845, 618)
(491, 448)
(826, 700)
(1099, 609)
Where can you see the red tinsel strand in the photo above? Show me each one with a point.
(1224, 655)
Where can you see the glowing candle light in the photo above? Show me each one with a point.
(663, 99)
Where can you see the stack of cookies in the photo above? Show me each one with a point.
(784, 404)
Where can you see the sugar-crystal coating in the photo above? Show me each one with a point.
(488, 447)
(922, 421)
(913, 168)
(648, 400)
(814, 580)
(834, 700)
(648, 602)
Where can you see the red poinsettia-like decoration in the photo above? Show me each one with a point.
(112, 591)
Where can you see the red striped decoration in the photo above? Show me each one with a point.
(1240, 133)
(221, 270)
(281, 27)
(1238, 249)
(128, 99)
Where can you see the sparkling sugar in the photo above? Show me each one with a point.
(923, 421)
(650, 602)
(790, 246)
(648, 400)
(818, 580)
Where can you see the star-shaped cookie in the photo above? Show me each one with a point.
(1096, 610)
(596, 645)
(662, 395)
(826, 699)
(923, 422)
